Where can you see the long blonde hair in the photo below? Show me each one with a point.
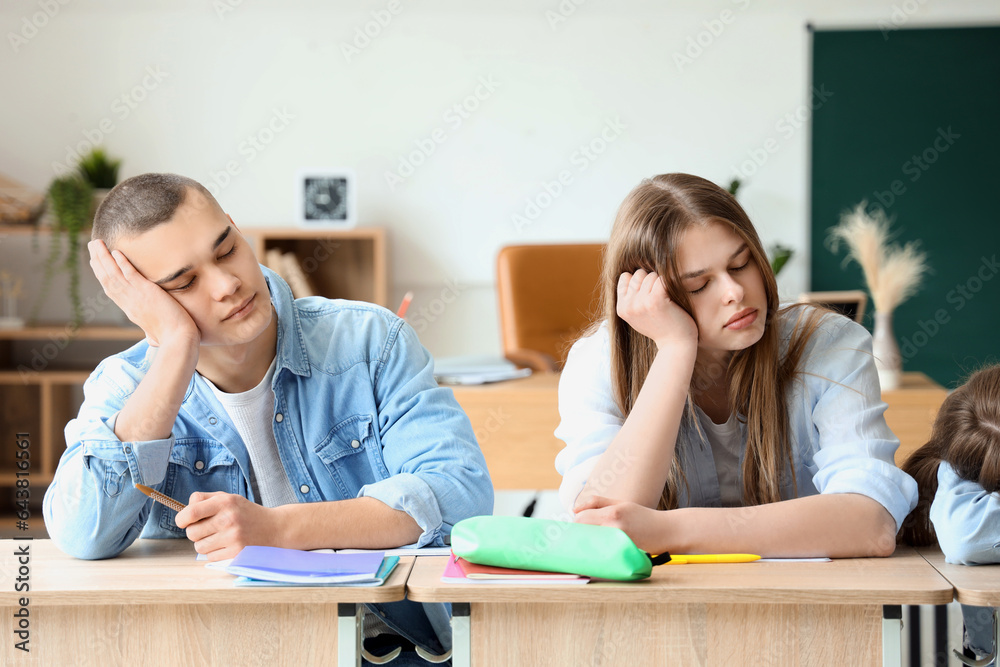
(646, 234)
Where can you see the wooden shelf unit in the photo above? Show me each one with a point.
(340, 263)
(40, 394)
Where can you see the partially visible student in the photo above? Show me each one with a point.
(958, 472)
(701, 417)
(302, 423)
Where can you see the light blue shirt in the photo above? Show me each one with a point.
(356, 413)
(840, 441)
(966, 519)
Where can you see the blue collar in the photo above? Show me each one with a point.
(291, 350)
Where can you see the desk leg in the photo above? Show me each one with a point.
(892, 635)
(461, 634)
(996, 636)
(349, 619)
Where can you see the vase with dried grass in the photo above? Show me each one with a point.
(893, 274)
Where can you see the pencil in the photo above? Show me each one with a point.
(175, 505)
(404, 306)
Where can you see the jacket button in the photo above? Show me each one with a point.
(199, 465)
(355, 444)
(279, 418)
(304, 489)
(128, 450)
(212, 420)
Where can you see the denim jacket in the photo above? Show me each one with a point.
(357, 413)
(840, 441)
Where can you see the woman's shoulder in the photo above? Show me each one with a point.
(588, 364)
(589, 359)
(833, 345)
(823, 326)
(593, 342)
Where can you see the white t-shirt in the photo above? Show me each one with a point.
(726, 441)
(252, 413)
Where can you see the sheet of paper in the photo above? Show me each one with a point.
(403, 551)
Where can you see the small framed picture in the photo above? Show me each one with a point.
(326, 198)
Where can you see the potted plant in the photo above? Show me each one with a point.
(893, 274)
(71, 199)
(101, 172)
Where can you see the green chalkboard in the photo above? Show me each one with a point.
(908, 120)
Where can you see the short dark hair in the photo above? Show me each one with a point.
(142, 202)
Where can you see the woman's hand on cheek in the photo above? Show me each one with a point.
(145, 303)
(642, 524)
(643, 304)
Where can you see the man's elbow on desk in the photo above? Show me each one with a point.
(85, 546)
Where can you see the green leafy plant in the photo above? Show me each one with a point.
(72, 199)
(780, 255)
(98, 169)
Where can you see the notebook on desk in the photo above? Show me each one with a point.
(461, 571)
(476, 370)
(388, 565)
(292, 566)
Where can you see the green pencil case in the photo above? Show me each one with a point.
(552, 546)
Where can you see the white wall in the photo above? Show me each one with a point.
(229, 70)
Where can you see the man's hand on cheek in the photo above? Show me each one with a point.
(221, 524)
(145, 303)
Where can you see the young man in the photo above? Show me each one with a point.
(300, 424)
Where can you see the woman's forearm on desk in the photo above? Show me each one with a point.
(636, 464)
(845, 525)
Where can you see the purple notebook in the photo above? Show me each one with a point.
(292, 565)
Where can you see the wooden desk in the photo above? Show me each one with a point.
(514, 422)
(833, 613)
(156, 605)
(976, 585)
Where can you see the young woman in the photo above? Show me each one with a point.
(958, 472)
(700, 417)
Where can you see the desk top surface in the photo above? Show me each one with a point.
(905, 578)
(974, 584)
(536, 382)
(160, 572)
(547, 382)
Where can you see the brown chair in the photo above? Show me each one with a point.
(548, 295)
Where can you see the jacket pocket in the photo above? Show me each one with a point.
(196, 464)
(348, 438)
(114, 477)
(352, 454)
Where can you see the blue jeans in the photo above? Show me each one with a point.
(979, 628)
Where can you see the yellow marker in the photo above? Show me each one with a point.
(712, 558)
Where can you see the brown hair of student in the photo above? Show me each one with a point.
(646, 233)
(142, 202)
(966, 435)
